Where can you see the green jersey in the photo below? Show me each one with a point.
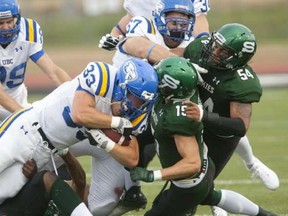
(168, 120)
(220, 87)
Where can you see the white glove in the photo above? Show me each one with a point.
(98, 138)
(200, 71)
(109, 42)
(62, 152)
(201, 112)
(122, 125)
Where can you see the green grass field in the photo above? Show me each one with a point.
(268, 134)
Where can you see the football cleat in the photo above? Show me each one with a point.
(132, 199)
(268, 177)
(217, 211)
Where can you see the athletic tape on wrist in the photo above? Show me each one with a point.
(110, 145)
(115, 121)
(157, 175)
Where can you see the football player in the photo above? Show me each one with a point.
(20, 39)
(102, 96)
(145, 8)
(182, 152)
(154, 50)
(227, 93)
(34, 198)
(171, 28)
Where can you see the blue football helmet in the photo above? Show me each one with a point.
(10, 8)
(135, 79)
(183, 26)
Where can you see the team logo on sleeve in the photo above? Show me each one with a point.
(130, 71)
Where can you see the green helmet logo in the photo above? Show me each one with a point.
(177, 78)
(232, 46)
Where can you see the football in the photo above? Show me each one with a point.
(116, 137)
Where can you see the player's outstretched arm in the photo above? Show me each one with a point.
(77, 174)
(117, 34)
(148, 50)
(201, 27)
(54, 72)
(8, 102)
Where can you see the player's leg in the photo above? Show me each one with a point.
(31, 198)
(133, 198)
(220, 150)
(11, 181)
(82, 148)
(14, 151)
(255, 166)
(107, 184)
(183, 201)
(67, 201)
(236, 203)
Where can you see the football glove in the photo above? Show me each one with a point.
(122, 126)
(142, 174)
(109, 42)
(98, 138)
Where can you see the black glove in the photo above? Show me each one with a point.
(109, 42)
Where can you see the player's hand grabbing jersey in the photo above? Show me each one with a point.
(168, 120)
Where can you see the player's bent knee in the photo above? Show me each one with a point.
(48, 180)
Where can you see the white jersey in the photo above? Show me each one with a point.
(146, 7)
(141, 27)
(54, 110)
(14, 58)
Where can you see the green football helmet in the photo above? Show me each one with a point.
(177, 78)
(231, 47)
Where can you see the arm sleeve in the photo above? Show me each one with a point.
(223, 125)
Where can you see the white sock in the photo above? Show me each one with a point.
(82, 210)
(236, 203)
(244, 150)
(128, 181)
